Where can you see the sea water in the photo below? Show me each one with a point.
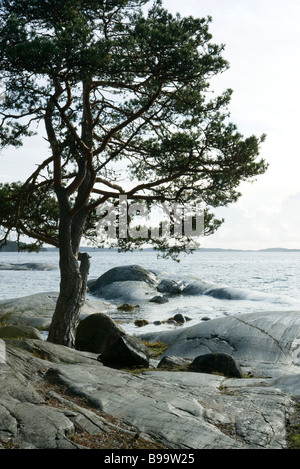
(240, 282)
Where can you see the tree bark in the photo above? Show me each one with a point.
(74, 270)
(70, 301)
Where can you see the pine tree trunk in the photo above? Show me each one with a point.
(74, 270)
(70, 301)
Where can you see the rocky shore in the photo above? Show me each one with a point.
(27, 266)
(55, 397)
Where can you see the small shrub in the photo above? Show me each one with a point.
(294, 440)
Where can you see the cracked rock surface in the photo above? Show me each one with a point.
(263, 343)
(193, 412)
(55, 397)
(52, 396)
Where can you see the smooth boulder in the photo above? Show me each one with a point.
(217, 363)
(170, 287)
(159, 299)
(37, 310)
(134, 283)
(131, 283)
(127, 351)
(129, 273)
(96, 333)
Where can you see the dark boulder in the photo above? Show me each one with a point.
(126, 307)
(96, 333)
(141, 322)
(159, 299)
(179, 318)
(170, 287)
(126, 352)
(217, 363)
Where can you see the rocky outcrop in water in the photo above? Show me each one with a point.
(27, 266)
(127, 283)
(133, 283)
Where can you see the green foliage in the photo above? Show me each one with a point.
(294, 440)
(29, 212)
(34, 213)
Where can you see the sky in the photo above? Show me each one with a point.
(262, 43)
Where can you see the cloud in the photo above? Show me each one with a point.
(259, 227)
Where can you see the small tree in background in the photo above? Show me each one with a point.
(116, 89)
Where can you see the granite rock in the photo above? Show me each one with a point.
(37, 310)
(263, 343)
(42, 385)
(178, 409)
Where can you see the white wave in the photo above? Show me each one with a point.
(129, 291)
(222, 292)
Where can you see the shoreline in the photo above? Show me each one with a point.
(161, 406)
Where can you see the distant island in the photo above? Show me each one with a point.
(279, 250)
(12, 246)
(249, 250)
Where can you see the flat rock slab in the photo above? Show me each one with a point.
(37, 310)
(265, 343)
(182, 412)
(178, 409)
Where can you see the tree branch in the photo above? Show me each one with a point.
(128, 121)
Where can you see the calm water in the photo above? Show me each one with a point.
(255, 281)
